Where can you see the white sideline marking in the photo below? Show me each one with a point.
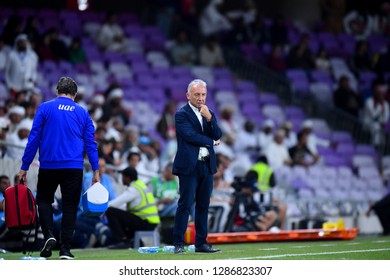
(312, 254)
(353, 243)
(380, 241)
(327, 245)
(268, 249)
(299, 247)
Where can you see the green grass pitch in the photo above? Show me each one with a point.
(360, 248)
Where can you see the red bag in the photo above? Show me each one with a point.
(20, 210)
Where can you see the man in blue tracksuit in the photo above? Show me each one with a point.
(62, 131)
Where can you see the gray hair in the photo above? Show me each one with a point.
(196, 82)
(67, 85)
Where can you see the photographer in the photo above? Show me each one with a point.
(248, 212)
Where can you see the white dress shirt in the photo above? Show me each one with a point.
(203, 151)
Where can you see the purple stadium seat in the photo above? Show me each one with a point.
(341, 137)
(294, 112)
(244, 86)
(269, 99)
(365, 149)
(345, 149)
(321, 91)
(368, 172)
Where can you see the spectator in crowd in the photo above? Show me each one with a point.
(134, 160)
(258, 31)
(376, 114)
(265, 136)
(312, 140)
(278, 31)
(111, 36)
(300, 153)
(166, 124)
(17, 140)
(55, 46)
(246, 141)
(43, 48)
(300, 55)
(166, 191)
(222, 190)
(4, 184)
(31, 29)
(13, 27)
(213, 19)
(134, 209)
(76, 52)
(4, 52)
(3, 135)
(290, 138)
(276, 61)
(361, 60)
(106, 150)
(322, 62)
(277, 153)
(346, 99)
(182, 52)
(169, 150)
(96, 107)
(211, 54)
(383, 64)
(15, 116)
(358, 24)
(149, 154)
(114, 107)
(228, 126)
(21, 68)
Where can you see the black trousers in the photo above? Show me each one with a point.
(124, 224)
(382, 210)
(70, 182)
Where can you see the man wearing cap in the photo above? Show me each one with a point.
(63, 132)
(197, 133)
(133, 210)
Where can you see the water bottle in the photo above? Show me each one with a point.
(191, 248)
(146, 250)
(30, 258)
(168, 248)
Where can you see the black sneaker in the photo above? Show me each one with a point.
(65, 254)
(49, 245)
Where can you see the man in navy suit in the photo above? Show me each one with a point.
(197, 133)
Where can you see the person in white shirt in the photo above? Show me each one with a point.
(265, 135)
(290, 138)
(18, 140)
(312, 140)
(246, 139)
(277, 153)
(376, 114)
(21, 69)
(111, 36)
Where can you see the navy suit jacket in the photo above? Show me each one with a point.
(190, 138)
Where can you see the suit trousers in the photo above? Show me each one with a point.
(197, 188)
